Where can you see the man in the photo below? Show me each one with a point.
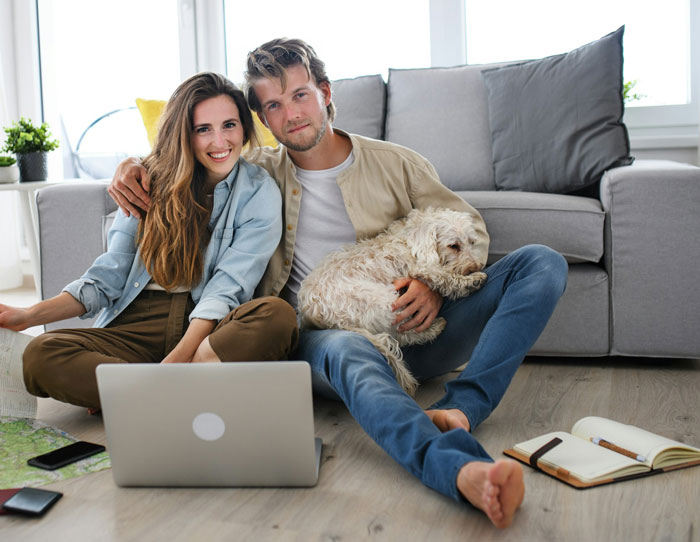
(354, 187)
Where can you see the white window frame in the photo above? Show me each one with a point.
(203, 47)
(202, 36)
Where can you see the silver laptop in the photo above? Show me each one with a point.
(210, 424)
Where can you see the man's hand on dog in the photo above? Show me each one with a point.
(417, 307)
(130, 186)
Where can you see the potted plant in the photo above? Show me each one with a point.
(30, 144)
(9, 173)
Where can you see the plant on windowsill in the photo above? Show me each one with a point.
(30, 144)
(627, 95)
(9, 172)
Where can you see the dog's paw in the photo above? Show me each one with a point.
(478, 279)
(438, 325)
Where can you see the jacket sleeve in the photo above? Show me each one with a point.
(103, 283)
(426, 190)
(257, 232)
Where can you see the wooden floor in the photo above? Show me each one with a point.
(363, 495)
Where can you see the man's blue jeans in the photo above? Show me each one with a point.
(493, 328)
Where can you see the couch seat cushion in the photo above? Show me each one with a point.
(571, 225)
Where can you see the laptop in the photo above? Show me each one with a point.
(210, 424)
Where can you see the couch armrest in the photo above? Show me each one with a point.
(70, 235)
(652, 255)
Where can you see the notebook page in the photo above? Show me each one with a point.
(629, 437)
(581, 458)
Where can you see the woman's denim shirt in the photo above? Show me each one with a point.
(246, 225)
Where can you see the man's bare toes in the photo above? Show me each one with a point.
(495, 488)
(508, 477)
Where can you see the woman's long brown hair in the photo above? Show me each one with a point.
(173, 235)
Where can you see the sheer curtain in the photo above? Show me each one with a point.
(10, 269)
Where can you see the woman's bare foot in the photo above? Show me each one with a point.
(495, 488)
(452, 418)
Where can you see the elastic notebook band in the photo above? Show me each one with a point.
(535, 457)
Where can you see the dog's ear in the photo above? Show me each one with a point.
(423, 243)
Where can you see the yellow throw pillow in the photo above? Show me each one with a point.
(151, 110)
(264, 134)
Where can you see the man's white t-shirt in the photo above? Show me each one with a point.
(323, 225)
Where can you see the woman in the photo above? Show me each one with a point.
(175, 286)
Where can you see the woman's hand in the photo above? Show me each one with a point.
(177, 356)
(130, 186)
(57, 308)
(184, 351)
(14, 318)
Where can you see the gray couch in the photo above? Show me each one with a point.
(633, 252)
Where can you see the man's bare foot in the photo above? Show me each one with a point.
(496, 488)
(449, 419)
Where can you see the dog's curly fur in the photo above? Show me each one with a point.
(352, 288)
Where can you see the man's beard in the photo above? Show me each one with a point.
(305, 146)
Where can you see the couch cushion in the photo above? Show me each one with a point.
(360, 105)
(556, 123)
(571, 225)
(442, 113)
(579, 325)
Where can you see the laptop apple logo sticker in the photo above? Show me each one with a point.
(208, 426)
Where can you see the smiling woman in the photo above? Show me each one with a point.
(217, 137)
(176, 285)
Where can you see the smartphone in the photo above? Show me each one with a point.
(66, 455)
(33, 501)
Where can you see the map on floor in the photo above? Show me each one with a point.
(22, 439)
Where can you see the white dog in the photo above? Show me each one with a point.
(352, 288)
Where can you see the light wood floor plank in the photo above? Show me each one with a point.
(363, 495)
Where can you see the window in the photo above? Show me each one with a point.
(363, 37)
(656, 42)
(98, 57)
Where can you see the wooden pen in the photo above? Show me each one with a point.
(610, 446)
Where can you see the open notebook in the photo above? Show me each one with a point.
(601, 451)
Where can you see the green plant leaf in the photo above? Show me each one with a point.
(24, 137)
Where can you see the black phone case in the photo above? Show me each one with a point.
(32, 501)
(38, 462)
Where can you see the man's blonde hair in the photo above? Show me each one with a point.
(272, 59)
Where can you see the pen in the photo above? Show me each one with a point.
(610, 446)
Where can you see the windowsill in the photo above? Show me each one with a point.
(664, 142)
(664, 137)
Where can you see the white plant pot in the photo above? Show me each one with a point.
(9, 174)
